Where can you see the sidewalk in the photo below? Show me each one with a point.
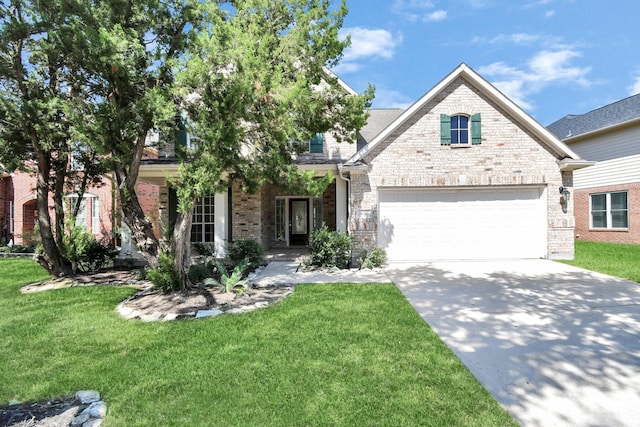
(279, 273)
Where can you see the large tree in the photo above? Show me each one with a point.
(93, 76)
(37, 103)
(254, 81)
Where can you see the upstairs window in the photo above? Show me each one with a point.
(460, 130)
(610, 210)
(315, 145)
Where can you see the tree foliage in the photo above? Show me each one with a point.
(256, 80)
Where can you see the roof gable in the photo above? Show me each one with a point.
(490, 92)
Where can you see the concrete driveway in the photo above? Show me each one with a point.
(554, 344)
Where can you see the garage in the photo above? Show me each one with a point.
(448, 224)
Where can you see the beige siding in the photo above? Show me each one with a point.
(609, 146)
(610, 172)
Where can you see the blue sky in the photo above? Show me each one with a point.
(552, 57)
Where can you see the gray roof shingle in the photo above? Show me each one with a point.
(618, 112)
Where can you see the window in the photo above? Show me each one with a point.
(95, 214)
(456, 130)
(11, 217)
(317, 213)
(315, 145)
(203, 221)
(280, 220)
(609, 210)
(91, 201)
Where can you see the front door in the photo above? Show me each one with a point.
(298, 221)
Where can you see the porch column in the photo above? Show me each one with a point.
(220, 228)
(341, 204)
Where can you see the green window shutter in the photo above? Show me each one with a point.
(445, 129)
(476, 130)
(316, 144)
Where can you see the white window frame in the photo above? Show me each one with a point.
(458, 129)
(608, 211)
(91, 201)
(11, 216)
(205, 219)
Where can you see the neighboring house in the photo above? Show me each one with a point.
(607, 195)
(464, 173)
(95, 215)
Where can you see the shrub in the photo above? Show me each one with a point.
(199, 272)
(330, 248)
(85, 253)
(164, 276)
(205, 249)
(246, 251)
(23, 249)
(375, 258)
(230, 282)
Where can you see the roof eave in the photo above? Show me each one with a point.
(567, 165)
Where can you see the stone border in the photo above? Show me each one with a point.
(276, 295)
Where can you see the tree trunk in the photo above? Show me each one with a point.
(52, 259)
(181, 245)
(141, 227)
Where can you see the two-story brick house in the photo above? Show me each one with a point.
(463, 173)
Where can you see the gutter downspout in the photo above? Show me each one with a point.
(348, 181)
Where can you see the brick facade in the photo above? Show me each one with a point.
(509, 155)
(583, 230)
(23, 194)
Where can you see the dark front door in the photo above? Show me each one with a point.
(298, 221)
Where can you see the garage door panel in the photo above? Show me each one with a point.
(462, 224)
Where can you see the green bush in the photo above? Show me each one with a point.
(164, 276)
(330, 248)
(375, 258)
(85, 253)
(233, 282)
(247, 252)
(205, 249)
(22, 249)
(199, 272)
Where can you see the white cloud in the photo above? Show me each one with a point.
(438, 15)
(521, 39)
(418, 10)
(635, 86)
(386, 98)
(366, 44)
(545, 68)
(549, 13)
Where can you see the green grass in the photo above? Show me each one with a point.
(346, 354)
(616, 259)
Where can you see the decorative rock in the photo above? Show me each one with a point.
(234, 311)
(93, 423)
(208, 313)
(88, 396)
(80, 419)
(151, 317)
(170, 316)
(97, 410)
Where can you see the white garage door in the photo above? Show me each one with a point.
(421, 225)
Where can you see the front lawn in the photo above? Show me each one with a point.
(616, 259)
(346, 354)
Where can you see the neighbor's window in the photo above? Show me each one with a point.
(610, 210)
(89, 201)
(203, 223)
